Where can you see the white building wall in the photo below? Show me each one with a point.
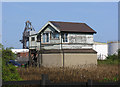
(19, 50)
(32, 44)
(38, 45)
(80, 38)
(57, 46)
(101, 49)
(67, 46)
(76, 46)
(75, 41)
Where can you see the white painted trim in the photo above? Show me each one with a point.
(54, 27)
(49, 24)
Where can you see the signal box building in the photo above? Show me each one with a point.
(63, 44)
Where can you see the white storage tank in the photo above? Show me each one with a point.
(113, 47)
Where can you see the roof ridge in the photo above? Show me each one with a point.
(66, 22)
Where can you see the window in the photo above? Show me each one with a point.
(45, 37)
(32, 38)
(55, 35)
(65, 37)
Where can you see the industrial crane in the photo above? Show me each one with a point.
(26, 33)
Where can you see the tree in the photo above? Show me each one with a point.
(1, 47)
(9, 48)
(7, 55)
(9, 72)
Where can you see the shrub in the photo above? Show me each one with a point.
(112, 57)
(7, 55)
(9, 72)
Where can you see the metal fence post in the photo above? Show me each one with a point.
(89, 83)
(44, 79)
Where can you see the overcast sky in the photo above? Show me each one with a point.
(100, 16)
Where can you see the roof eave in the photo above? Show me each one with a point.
(49, 24)
(78, 32)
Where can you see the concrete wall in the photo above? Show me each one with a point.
(76, 59)
(70, 59)
(52, 60)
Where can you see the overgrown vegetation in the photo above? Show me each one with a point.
(101, 73)
(9, 72)
(106, 70)
(111, 59)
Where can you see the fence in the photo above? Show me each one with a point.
(45, 81)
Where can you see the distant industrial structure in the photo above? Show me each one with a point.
(113, 47)
(26, 33)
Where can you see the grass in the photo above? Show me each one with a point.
(108, 61)
(102, 73)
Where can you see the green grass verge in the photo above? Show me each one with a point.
(109, 61)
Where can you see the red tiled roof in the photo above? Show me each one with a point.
(73, 27)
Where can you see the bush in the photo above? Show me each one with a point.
(9, 72)
(113, 57)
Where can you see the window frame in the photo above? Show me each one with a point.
(32, 39)
(65, 37)
(45, 37)
(55, 35)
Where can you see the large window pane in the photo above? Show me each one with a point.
(43, 37)
(47, 37)
(32, 38)
(66, 40)
(55, 35)
(65, 37)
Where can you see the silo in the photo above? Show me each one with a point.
(113, 47)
